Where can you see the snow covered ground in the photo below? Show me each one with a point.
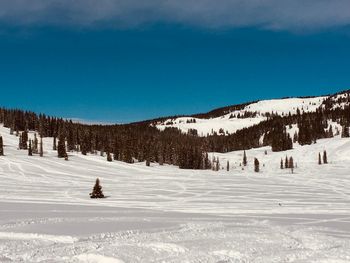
(164, 214)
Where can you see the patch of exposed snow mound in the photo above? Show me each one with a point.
(34, 236)
(93, 258)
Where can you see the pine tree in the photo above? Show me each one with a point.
(291, 164)
(54, 144)
(256, 165)
(244, 159)
(109, 157)
(325, 160)
(35, 144)
(319, 158)
(97, 190)
(160, 159)
(61, 147)
(330, 132)
(286, 164)
(24, 145)
(148, 162)
(228, 166)
(217, 164)
(345, 132)
(1, 147)
(20, 142)
(281, 166)
(30, 152)
(41, 151)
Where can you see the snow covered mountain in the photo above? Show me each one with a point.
(248, 115)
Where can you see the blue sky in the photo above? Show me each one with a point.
(126, 66)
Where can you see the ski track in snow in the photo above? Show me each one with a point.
(164, 214)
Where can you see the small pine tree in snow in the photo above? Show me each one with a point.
(35, 144)
(148, 162)
(325, 160)
(345, 132)
(97, 190)
(286, 164)
(1, 147)
(256, 165)
(281, 166)
(291, 164)
(217, 164)
(61, 147)
(109, 157)
(30, 151)
(244, 159)
(24, 139)
(228, 166)
(41, 150)
(319, 159)
(54, 144)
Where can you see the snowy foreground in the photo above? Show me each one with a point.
(164, 214)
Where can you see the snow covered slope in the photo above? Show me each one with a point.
(235, 120)
(164, 214)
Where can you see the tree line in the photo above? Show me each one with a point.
(138, 142)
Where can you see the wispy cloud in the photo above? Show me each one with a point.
(269, 14)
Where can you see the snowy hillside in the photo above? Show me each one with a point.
(236, 120)
(164, 214)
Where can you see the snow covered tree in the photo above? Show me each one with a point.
(325, 160)
(97, 190)
(1, 146)
(319, 158)
(256, 165)
(244, 159)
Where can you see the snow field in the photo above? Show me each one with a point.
(164, 214)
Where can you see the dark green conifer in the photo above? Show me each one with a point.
(1, 146)
(244, 159)
(97, 190)
(30, 152)
(256, 165)
(325, 160)
(319, 159)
